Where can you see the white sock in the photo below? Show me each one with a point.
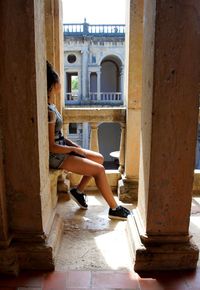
(115, 208)
(78, 191)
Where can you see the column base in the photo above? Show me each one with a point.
(128, 190)
(21, 255)
(9, 264)
(151, 255)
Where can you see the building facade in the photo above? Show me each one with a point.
(94, 76)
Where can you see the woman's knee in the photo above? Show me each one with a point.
(99, 170)
(95, 156)
(100, 158)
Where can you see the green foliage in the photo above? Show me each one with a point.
(74, 84)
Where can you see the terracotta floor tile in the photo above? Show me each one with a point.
(55, 281)
(25, 279)
(26, 288)
(169, 280)
(192, 279)
(7, 288)
(150, 284)
(114, 279)
(78, 279)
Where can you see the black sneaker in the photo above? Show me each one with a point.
(79, 198)
(121, 213)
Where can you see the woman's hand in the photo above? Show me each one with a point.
(68, 142)
(78, 150)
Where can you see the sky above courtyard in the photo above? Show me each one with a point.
(95, 11)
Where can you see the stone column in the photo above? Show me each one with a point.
(59, 50)
(23, 123)
(54, 43)
(89, 84)
(66, 129)
(169, 118)
(122, 149)
(49, 30)
(99, 84)
(79, 85)
(4, 236)
(128, 185)
(85, 135)
(121, 79)
(84, 73)
(94, 142)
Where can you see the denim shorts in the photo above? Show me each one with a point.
(56, 159)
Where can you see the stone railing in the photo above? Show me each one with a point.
(96, 116)
(85, 29)
(71, 97)
(94, 98)
(106, 96)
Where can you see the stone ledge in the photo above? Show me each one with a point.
(196, 182)
(59, 183)
(112, 175)
(128, 190)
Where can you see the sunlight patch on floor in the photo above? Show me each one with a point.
(92, 241)
(114, 248)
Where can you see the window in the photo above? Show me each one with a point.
(72, 85)
(71, 58)
(93, 59)
(72, 128)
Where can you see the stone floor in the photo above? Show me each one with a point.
(91, 240)
(195, 222)
(94, 255)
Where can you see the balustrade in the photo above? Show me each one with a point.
(97, 29)
(98, 98)
(96, 116)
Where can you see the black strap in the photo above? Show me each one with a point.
(60, 138)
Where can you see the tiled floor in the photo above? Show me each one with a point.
(103, 280)
(89, 256)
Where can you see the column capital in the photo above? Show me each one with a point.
(84, 51)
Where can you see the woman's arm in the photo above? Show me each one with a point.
(57, 148)
(69, 142)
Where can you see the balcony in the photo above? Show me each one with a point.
(97, 30)
(94, 98)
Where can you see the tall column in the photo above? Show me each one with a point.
(66, 129)
(85, 135)
(99, 84)
(24, 137)
(89, 84)
(94, 141)
(59, 49)
(121, 80)
(122, 149)
(128, 185)
(49, 30)
(54, 43)
(84, 73)
(4, 236)
(159, 228)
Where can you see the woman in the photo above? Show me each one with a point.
(64, 154)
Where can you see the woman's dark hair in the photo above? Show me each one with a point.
(52, 77)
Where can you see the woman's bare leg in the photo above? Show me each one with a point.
(94, 156)
(86, 167)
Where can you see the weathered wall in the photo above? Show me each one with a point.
(26, 211)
